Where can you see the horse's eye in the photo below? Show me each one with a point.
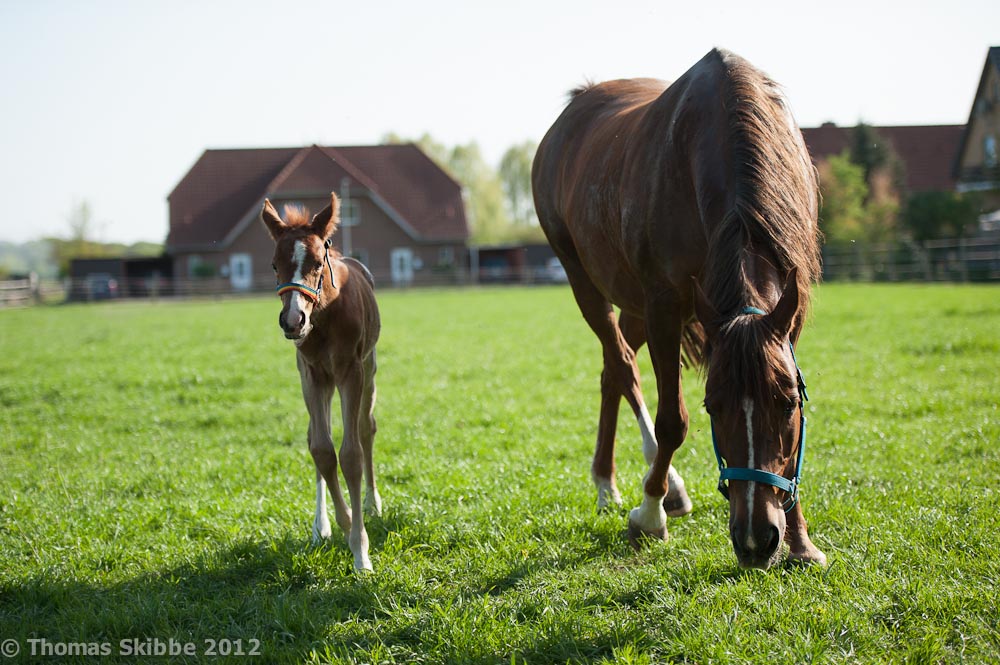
(274, 267)
(790, 409)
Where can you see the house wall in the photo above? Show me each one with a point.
(985, 122)
(373, 240)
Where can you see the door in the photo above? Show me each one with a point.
(241, 272)
(401, 261)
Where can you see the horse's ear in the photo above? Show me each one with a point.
(271, 220)
(704, 310)
(325, 222)
(783, 315)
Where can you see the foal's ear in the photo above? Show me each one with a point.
(325, 222)
(271, 220)
(704, 310)
(783, 315)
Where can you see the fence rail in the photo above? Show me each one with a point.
(969, 260)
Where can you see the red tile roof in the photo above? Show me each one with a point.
(927, 151)
(225, 186)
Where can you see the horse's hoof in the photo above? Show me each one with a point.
(809, 557)
(677, 505)
(637, 536)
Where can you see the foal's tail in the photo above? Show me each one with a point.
(693, 344)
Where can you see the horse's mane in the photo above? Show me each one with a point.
(773, 214)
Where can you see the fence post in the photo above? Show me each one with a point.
(963, 259)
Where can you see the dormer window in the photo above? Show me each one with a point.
(990, 152)
(350, 212)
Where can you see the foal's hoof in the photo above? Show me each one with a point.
(608, 497)
(637, 536)
(373, 504)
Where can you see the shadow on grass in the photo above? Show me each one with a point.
(284, 593)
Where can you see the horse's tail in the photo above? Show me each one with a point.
(693, 344)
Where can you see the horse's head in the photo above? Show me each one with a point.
(302, 263)
(752, 395)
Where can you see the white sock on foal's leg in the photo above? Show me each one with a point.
(321, 523)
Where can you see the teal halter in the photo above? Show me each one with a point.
(766, 477)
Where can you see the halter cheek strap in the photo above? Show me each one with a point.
(308, 291)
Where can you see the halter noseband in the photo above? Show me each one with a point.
(308, 291)
(766, 477)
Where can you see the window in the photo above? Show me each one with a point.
(350, 212)
(360, 255)
(446, 257)
(990, 152)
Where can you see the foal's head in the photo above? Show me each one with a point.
(302, 263)
(752, 396)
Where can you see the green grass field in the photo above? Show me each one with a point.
(155, 483)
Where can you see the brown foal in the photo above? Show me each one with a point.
(328, 309)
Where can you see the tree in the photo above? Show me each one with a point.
(482, 189)
(877, 157)
(930, 215)
(842, 183)
(515, 176)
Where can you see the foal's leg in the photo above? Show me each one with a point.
(676, 503)
(366, 431)
(352, 458)
(664, 326)
(800, 548)
(318, 392)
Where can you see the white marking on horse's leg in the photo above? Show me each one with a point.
(321, 524)
(648, 434)
(649, 516)
(751, 485)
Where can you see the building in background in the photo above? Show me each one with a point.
(401, 214)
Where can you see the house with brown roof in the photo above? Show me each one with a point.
(946, 158)
(977, 164)
(401, 214)
(927, 151)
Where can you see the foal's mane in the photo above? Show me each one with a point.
(773, 215)
(297, 215)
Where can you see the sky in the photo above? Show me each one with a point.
(111, 103)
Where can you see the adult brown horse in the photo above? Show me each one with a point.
(329, 310)
(692, 207)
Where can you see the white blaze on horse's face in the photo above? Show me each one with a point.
(751, 486)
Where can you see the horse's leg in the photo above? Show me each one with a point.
(318, 393)
(366, 431)
(676, 502)
(352, 458)
(800, 548)
(663, 329)
(619, 376)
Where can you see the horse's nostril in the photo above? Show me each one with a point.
(774, 540)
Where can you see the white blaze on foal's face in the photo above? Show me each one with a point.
(296, 301)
